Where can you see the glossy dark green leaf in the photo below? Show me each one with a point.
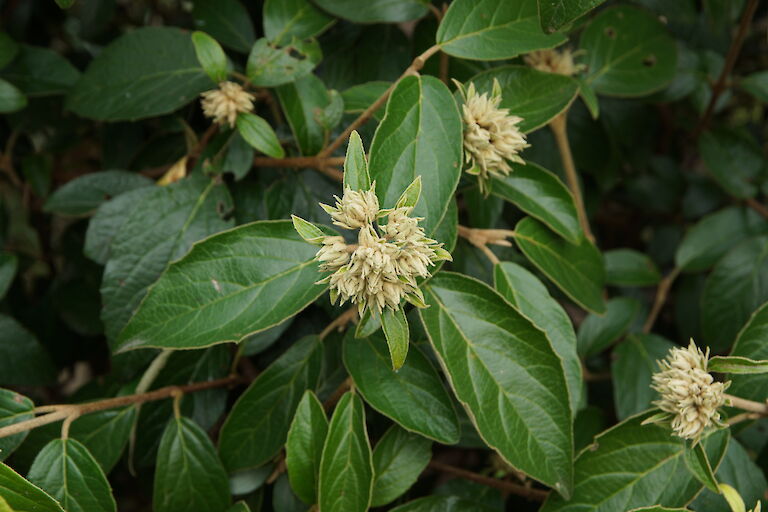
(696, 461)
(8, 265)
(346, 468)
(737, 365)
(628, 52)
(757, 85)
(258, 423)
(359, 97)
(356, 174)
(11, 98)
(147, 72)
(304, 447)
(734, 159)
(40, 72)
(398, 460)
(301, 100)
(270, 65)
(8, 49)
(210, 56)
(542, 195)
(414, 396)
(493, 29)
(259, 134)
(228, 287)
(189, 476)
(505, 372)
(557, 13)
(105, 434)
(226, 20)
(14, 408)
(627, 267)
(534, 95)
(23, 361)
(395, 327)
(286, 19)
(598, 331)
(21, 495)
(67, 471)
(420, 135)
(750, 343)
(523, 290)
(86, 193)
(632, 366)
(736, 287)
(375, 11)
(576, 269)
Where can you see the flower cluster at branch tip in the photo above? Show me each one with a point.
(554, 61)
(381, 269)
(491, 135)
(688, 392)
(223, 104)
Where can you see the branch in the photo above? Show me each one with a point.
(326, 165)
(340, 322)
(759, 408)
(758, 207)
(510, 487)
(661, 297)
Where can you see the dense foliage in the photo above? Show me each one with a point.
(516, 208)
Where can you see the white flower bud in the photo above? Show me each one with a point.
(223, 104)
(333, 254)
(554, 61)
(355, 209)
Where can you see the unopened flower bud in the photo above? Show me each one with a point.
(223, 104)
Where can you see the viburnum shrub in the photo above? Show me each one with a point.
(341, 255)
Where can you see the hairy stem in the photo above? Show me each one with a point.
(502, 485)
(340, 322)
(760, 408)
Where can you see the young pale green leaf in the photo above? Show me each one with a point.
(8, 49)
(420, 135)
(130, 79)
(259, 134)
(189, 476)
(270, 65)
(40, 72)
(626, 267)
(631, 465)
(258, 423)
(732, 496)
(628, 52)
(505, 372)
(23, 360)
(8, 265)
(21, 495)
(534, 95)
(597, 332)
(226, 20)
(555, 14)
(493, 29)
(240, 506)
(410, 197)
(750, 344)
(346, 468)
(86, 193)
(308, 231)
(210, 56)
(523, 290)
(67, 471)
(304, 447)
(414, 396)
(395, 327)
(286, 19)
(14, 408)
(735, 160)
(300, 101)
(11, 98)
(398, 460)
(356, 176)
(698, 464)
(229, 286)
(375, 11)
(542, 195)
(756, 84)
(737, 365)
(577, 269)
(105, 434)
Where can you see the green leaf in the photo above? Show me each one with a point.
(395, 327)
(658, 508)
(8, 49)
(356, 174)
(734, 159)
(576, 269)
(14, 408)
(23, 361)
(159, 229)
(40, 72)
(238, 158)
(632, 365)
(304, 446)
(286, 19)
(493, 29)
(210, 56)
(189, 476)
(505, 372)
(346, 469)
(442, 504)
(534, 95)
(627, 267)
(258, 424)
(698, 464)
(300, 101)
(598, 331)
(420, 135)
(259, 134)
(67, 471)
(542, 195)
(736, 287)
(631, 465)
(757, 85)
(589, 97)
(144, 73)
(65, 4)
(21, 495)
(737, 365)
(270, 65)
(307, 231)
(359, 97)
(105, 434)
(398, 460)
(11, 99)
(529, 296)
(375, 11)
(555, 14)
(410, 196)
(628, 52)
(228, 287)
(86, 193)
(750, 343)
(8, 265)
(714, 235)
(240, 506)
(226, 20)
(414, 396)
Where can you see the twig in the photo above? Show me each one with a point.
(759, 408)
(326, 165)
(337, 394)
(744, 416)
(196, 151)
(340, 322)
(510, 487)
(730, 62)
(661, 297)
(758, 207)
(6, 159)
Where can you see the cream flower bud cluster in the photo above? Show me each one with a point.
(223, 104)
(554, 61)
(688, 392)
(491, 135)
(381, 269)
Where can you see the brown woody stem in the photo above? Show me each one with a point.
(661, 297)
(502, 485)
